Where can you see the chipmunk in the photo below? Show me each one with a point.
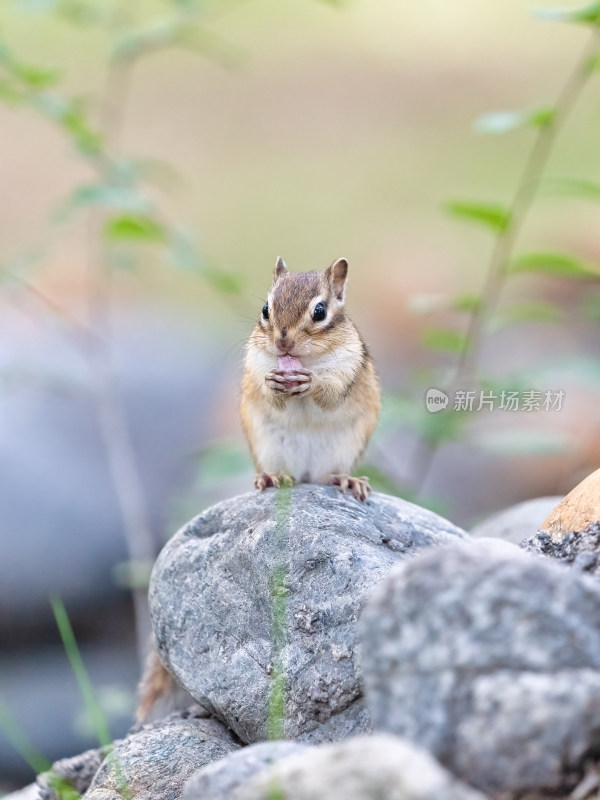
(310, 396)
(310, 401)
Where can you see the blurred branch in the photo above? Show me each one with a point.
(524, 197)
(111, 414)
(549, 123)
(116, 190)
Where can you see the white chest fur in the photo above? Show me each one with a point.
(303, 439)
(307, 442)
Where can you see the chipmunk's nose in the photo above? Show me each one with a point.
(283, 343)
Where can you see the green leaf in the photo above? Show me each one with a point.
(587, 15)
(572, 187)
(444, 339)
(70, 116)
(86, 139)
(542, 117)
(594, 64)
(526, 312)
(491, 215)
(61, 786)
(106, 196)
(183, 252)
(184, 255)
(467, 302)
(504, 121)
(134, 228)
(557, 264)
(225, 282)
(37, 78)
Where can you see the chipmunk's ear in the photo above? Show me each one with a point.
(280, 268)
(336, 274)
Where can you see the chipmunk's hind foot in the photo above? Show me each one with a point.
(266, 480)
(348, 483)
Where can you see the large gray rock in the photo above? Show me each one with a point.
(517, 522)
(490, 658)
(362, 768)
(265, 590)
(220, 780)
(157, 761)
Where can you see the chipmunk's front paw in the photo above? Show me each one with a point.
(347, 483)
(266, 480)
(295, 383)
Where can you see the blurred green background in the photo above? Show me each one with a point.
(306, 129)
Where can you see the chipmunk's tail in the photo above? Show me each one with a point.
(157, 689)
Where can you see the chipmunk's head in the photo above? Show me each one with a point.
(304, 312)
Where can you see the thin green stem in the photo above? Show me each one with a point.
(19, 740)
(279, 623)
(92, 706)
(498, 272)
(523, 199)
(114, 425)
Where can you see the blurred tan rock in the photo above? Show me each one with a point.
(579, 509)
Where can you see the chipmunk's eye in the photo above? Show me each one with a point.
(320, 312)
(265, 311)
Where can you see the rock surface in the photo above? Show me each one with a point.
(157, 761)
(362, 768)
(490, 658)
(518, 522)
(221, 779)
(271, 584)
(579, 509)
(580, 549)
(77, 772)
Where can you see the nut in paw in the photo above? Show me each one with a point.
(296, 383)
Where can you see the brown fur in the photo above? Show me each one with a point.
(156, 684)
(342, 376)
(292, 294)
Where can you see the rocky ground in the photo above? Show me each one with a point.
(332, 649)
